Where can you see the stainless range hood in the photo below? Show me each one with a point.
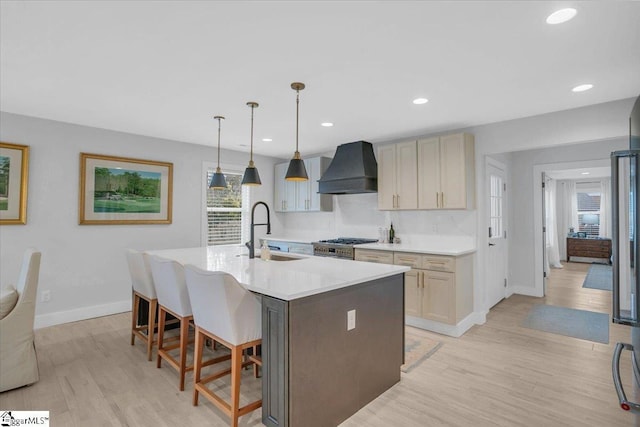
(353, 170)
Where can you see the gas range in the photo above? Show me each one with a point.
(339, 248)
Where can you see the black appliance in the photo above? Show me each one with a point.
(625, 198)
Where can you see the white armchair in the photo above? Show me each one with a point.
(18, 362)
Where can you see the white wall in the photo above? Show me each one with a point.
(84, 265)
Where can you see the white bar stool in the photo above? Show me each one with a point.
(227, 313)
(143, 289)
(173, 298)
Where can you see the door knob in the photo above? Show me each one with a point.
(492, 244)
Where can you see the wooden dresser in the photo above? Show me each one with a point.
(588, 248)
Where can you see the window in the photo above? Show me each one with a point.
(227, 211)
(589, 195)
(497, 187)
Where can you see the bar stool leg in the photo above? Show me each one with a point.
(197, 364)
(135, 305)
(236, 371)
(184, 339)
(161, 322)
(151, 323)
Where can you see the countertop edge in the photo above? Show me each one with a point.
(393, 247)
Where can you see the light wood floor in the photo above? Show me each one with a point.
(497, 374)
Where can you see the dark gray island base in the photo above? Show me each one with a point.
(316, 372)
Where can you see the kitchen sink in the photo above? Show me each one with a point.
(283, 258)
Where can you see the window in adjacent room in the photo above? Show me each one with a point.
(589, 195)
(227, 211)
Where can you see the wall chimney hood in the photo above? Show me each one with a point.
(353, 170)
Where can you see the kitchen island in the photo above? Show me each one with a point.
(318, 367)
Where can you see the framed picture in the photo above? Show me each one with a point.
(14, 176)
(119, 190)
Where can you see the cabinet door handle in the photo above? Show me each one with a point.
(442, 199)
(437, 199)
(422, 279)
(397, 201)
(394, 201)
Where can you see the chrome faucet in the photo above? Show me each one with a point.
(251, 243)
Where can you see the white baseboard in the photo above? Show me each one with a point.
(475, 318)
(524, 290)
(60, 317)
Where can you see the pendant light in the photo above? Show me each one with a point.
(297, 171)
(217, 180)
(251, 176)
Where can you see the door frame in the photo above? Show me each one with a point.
(538, 259)
(489, 161)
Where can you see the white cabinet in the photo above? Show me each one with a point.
(446, 172)
(437, 287)
(397, 176)
(284, 197)
(301, 196)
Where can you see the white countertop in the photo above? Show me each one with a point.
(434, 248)
(286, 280)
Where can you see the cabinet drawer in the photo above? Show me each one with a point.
(411, 260)
(439, 263)
(381, 257)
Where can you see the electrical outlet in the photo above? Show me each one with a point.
(351, 320)
(45, 296)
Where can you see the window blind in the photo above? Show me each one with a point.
(588, 209)
(227, 219)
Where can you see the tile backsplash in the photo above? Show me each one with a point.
(357, 215)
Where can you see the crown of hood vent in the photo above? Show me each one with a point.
(353, 170)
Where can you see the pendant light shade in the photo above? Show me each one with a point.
(251, 175)
(217, 180)
(297, 171)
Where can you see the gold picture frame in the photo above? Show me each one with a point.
(14, 177)
(122, 190)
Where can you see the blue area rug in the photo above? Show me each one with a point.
(586, 325)
(600, 276)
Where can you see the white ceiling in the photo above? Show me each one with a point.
(581, 173)
(164, 69)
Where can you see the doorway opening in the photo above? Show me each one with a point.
(573, 225)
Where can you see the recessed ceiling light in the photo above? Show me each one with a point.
(419, 101)
(586, 173)
(267, 139)
(560, 16)
(582, 88)
(327, 124)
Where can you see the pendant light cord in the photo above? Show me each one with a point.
(297, 115)
(219, 119)
(251, 154)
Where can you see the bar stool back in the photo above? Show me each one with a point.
(142, 289)
(173, 298)
(227, 313)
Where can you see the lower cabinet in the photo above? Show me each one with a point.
(412, 293)
(439, 296)
(438, 288)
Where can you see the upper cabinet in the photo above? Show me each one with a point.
(301, 196)
(434, 173)
(397, 176)
(446, 172)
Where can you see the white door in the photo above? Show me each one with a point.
(496, 266)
